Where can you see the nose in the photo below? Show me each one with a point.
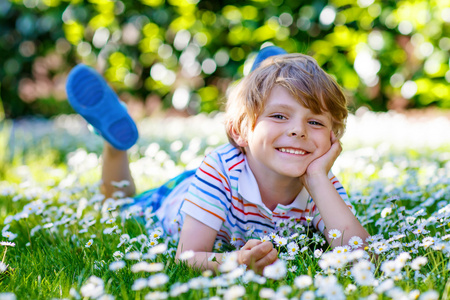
(297, 131)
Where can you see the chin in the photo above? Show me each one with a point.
(294, 174)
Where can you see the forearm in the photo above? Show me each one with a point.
(199, 238)
(334, 211)
(204, 261)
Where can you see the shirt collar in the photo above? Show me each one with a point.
(249, 191)
(248, 187)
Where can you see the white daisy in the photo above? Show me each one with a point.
(117, 265)
(218, 245)
(303, 281)
(418, 262)
(158, 249)
(273, 235)
(3, 267)
(139, 267)
(384, 286)
(390, 268)
(355, 242)
(93, 288)
(234, 240)
(280, 241)
(292, 248)
(308, 295)
(156, 295)
(139, 284)
(429, 295)
(363, 277)
(293, 269)
(135, 255)
(265, 238)
(334, 234)
(89, 243)
(155, 267)
(275, 271)
(318, 253)
(157, 280)
(234, 292)
(9, 235)
(178, 288)
(266, 293)
(185, 255)
(8, 244)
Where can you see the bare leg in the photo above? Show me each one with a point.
(116, 168)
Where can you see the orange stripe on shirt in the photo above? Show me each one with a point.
(333, 182)
(220, 174)
(249, 204)
(242, 202)
(212, 176)
(223, 220)
(317, 225)
(249, 213)
(224, 235)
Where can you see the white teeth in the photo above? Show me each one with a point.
(292, 151)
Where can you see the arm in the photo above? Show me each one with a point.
(200, 238)
(333, 210)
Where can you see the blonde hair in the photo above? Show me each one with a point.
(301, 76)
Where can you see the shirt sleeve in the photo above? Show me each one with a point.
(209, 197)
(317, 219)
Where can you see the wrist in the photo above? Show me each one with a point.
(315, 180)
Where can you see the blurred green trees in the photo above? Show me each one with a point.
(183, 54)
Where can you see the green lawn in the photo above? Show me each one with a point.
(59, 241)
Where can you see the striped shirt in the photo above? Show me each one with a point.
(224, 195)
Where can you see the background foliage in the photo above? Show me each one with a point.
(184, 53)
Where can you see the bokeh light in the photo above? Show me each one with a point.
(151, 48)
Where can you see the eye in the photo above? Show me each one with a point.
(278, 116)
(315, 123)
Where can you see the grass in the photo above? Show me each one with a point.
(50, 208)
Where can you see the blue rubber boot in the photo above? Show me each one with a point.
(92, 98)
(265, 53)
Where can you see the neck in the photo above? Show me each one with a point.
(282, 191)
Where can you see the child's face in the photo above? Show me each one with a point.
(287, 136)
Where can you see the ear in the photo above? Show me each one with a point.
(239, 138)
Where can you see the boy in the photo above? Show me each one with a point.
(283, 121)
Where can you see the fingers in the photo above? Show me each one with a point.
(251, 255)
(259, 255)
(244, 255)
(333, 137)
(336, 147)
(269, 259)
(250, 244)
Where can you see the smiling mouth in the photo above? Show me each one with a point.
(292, 151)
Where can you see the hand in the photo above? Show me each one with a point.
(322, 165)
(257, 255)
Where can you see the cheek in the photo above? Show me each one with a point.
(325, 144)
